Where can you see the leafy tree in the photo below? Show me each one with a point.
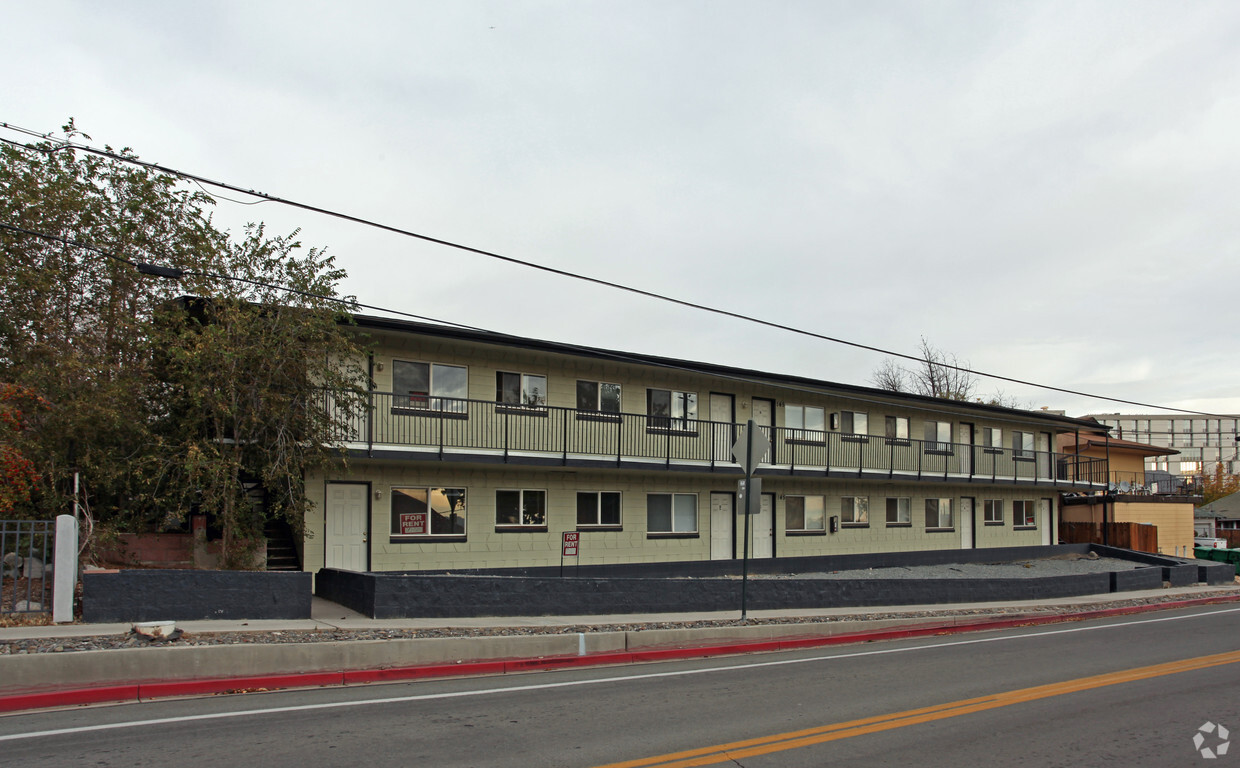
(17, 473)
(1218, 483)
(164, 407)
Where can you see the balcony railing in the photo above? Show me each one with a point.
(545, 434)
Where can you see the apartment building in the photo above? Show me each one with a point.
(482, 450)
(1201, 442)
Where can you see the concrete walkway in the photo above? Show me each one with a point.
(34, 680)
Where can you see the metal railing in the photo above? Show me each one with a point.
(26, 548)
(446, 426)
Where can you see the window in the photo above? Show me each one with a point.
(805, 422)
(939, 514)
(521, 389)
(804, 513)
(521, 508)
(671, 513)
(669, 409)
(938, 436)
(855, 510)
(1023, 514)
(598, 508)
(598, 396)
(992, 512)
(854, 423)
(897, 427)
(992, 437)
(428, 511)
(429, 386)
(899, 510)
(1022, 445)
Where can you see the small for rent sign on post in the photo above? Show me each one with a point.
(571, 540)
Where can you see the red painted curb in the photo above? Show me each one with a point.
(42, 699)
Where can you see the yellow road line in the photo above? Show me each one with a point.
(779, 742)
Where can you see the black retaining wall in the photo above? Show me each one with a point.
(710, 586)
(171, 595)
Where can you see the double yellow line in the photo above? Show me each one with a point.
(780, 742)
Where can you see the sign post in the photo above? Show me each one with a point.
(569, 549)
(749, 449)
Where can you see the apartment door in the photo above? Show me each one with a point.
(348, 515)
(761, 529)
(1046, 513)
(964, 433)
(721, 526)
(1044, 455)
(967, 505)
(764, 416)
(722, 416)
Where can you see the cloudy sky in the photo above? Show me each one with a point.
(1046, 190)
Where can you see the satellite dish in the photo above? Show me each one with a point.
(1124, 487)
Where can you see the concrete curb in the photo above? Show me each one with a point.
(143, 673)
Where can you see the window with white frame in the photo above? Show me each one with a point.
(429, 386)
(897, 427)
(428, 511)
(1023, 514)
(1022, 445)
(521, 508)
(939, 514)
(899, 510)
(805, 422)
(598, 396)
(855, 510)
(669, 409)
(527, 390)
(854, 423)
(804, 513)
(992, 437)
(671, 513)
(938, 436)
(992, 511)
(601, 508)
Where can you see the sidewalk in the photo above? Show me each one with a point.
(258, 660)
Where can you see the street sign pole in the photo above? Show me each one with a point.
(755, 445)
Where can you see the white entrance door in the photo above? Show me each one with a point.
(762, 543)
(1047, 518)
(348, 509)
(966, 522)
(721, 413)
(764, 416)
(721, 526)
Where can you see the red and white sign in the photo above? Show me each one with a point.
(571, 539)
(413, 523)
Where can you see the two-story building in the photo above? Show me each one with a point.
(481, 450)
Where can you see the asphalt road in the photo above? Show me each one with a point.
(1130, 691)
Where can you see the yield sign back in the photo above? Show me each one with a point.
(750, 447)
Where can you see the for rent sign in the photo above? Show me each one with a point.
(413, 523)
(571, 539)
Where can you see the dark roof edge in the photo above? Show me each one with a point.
(489, 337)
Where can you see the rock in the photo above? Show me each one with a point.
(27, 606)
(153, 629)
(33, 568)
(11, 564)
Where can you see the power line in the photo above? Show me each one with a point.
(66, 144)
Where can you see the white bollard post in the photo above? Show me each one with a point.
(65, 575)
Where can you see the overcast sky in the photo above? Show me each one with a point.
(1046, 190)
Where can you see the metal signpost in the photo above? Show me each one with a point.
(749, 449)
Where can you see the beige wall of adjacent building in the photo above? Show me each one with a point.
(1174, 520)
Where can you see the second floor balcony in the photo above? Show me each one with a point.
(411, 427)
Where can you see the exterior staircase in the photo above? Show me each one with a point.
(281, 547)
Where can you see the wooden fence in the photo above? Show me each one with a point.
(1139, 536)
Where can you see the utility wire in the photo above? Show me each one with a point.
(65, 144)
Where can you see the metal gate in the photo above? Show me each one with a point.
(26, 551)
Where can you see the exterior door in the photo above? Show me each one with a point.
(1047, 521)
(965, 438)
(1044, 455)
(762, 532)
(721, 526)
(764, 416)
(966, 523)
(722, 413)
(348, 515)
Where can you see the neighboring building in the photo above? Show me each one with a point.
(1224, 513)
(481, 450)
(1133, 494)
(1201, 442)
